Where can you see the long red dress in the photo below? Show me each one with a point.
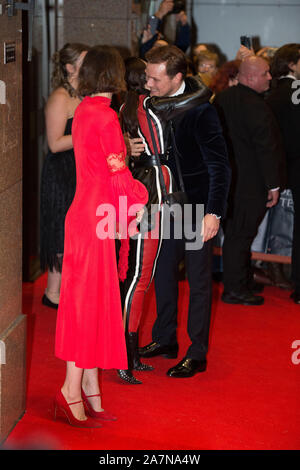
(89, 328)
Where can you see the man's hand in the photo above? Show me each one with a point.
(244, 53)
(182, 18)
(136, 146)
(165, 7)
(273, 197)
(147, 35)
(210, 227)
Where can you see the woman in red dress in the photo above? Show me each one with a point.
(89, 330)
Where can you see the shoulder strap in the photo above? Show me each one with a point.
(161, 176)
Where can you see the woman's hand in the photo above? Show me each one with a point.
(136, 146)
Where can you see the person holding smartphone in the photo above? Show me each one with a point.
(152, 33)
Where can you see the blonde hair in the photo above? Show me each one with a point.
(207, 55)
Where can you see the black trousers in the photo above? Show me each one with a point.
(296, 238)
(240, 229)
(199, 273)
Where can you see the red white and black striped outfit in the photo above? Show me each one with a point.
(145, 246)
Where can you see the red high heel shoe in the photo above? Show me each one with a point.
(105, 415)
(60, 404)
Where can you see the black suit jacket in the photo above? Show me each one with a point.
(203, 158)
(287, 112)
(255, 141)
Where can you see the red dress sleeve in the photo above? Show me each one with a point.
(130, 195)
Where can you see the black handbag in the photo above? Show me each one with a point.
(171, 200)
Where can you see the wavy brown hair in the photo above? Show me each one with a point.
(69, 54)
(102, 71)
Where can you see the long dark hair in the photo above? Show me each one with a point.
(135, 78)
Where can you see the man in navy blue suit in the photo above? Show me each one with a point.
(206, 175)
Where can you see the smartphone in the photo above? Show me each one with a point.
(246, 41)
(153, 22)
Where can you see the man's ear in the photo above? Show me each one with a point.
(178, 77)
(250, 79)
(292, 66)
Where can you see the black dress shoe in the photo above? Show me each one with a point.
(187, 368)
(295, 297)
(156, 349)
(48, 303)
(243, 298)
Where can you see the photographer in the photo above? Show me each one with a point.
(153, 33)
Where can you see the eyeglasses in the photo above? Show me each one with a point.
(207, 66)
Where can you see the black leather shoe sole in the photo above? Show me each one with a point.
(295, 297)
(48, 303)
(155, 349)
(242, 299)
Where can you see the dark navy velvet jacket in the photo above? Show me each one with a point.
(204, 160)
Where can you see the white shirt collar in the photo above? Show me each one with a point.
(180, 90)
(288, 76)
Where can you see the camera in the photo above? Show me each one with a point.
(179, 5)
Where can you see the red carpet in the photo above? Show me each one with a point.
(248, 398)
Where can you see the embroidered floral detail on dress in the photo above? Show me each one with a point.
(116, 162)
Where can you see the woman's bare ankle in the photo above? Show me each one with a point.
(77, 409)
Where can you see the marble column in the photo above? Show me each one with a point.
(12, 322)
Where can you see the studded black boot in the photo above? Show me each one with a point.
(133, 346)
(126, 375)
